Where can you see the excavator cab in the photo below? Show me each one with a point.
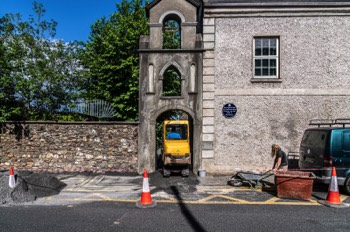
(176, 154)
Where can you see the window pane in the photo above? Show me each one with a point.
(272, 72)
(258, 51)
(176, 132)
(265, 42)
(273, 63)
(265, 51)
(265, 71)
(273, 51)
(257, 72)
(257, 63)
(272, 42)
(258, 43)
(265, 63)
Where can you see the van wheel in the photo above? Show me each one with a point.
(347, 185)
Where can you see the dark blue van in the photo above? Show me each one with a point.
(327, 146)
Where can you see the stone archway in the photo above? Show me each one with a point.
(195, 124)
(171, 115)
(155, 61)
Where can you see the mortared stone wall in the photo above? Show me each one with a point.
(69, 147)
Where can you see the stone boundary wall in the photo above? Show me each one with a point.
(69, 146)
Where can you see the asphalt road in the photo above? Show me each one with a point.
(117, 216)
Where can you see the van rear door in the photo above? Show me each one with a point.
(340, 150)
(313, 149)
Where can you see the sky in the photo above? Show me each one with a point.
(74, 17)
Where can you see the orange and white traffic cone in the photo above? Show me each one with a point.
(333, 197)
(12, 180)
(146, 199)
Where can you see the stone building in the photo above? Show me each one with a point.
(253, 73)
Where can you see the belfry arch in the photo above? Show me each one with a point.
(171, 34)
(171, 12)
(155, 61)
(171, 63)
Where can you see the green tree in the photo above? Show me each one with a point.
(171, 35)
(41, 74)
(172, 83)
(8, 105)
(111, 58)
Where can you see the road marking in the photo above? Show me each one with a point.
(206, 200)
(200, 203)
(85, 182)
(343, 197)
(104, 197)
(99, 180)
(212, 198)
(272, 200)
(258, 189)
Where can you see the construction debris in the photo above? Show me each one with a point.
(29, 186)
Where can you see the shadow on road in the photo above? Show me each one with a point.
(194, 223)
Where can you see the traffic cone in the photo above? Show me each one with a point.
(146, 199)
(333, 197)
(12, 180)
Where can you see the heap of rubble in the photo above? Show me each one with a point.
(29, 186)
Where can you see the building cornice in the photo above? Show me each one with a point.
(281, 12)
(274, 4)
(236, 8)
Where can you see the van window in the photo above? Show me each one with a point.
(314, 139)
(176, 131)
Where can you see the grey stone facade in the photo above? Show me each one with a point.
(313, 79)
(70, 147)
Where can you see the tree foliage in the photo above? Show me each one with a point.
(40, 74)
(172, 82)
(171, 35)
(111, 58)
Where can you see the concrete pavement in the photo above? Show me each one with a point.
(82, 188)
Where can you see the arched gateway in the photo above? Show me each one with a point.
(176, 19)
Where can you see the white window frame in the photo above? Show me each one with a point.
(266, 57)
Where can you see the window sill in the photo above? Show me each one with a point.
(266, 80)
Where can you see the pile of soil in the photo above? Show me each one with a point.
(29, 186)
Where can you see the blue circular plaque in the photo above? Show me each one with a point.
(229, 110)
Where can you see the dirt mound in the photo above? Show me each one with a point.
(29, 186)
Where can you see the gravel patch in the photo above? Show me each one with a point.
(173, 184)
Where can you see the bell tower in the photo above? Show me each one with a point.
(171, 55)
